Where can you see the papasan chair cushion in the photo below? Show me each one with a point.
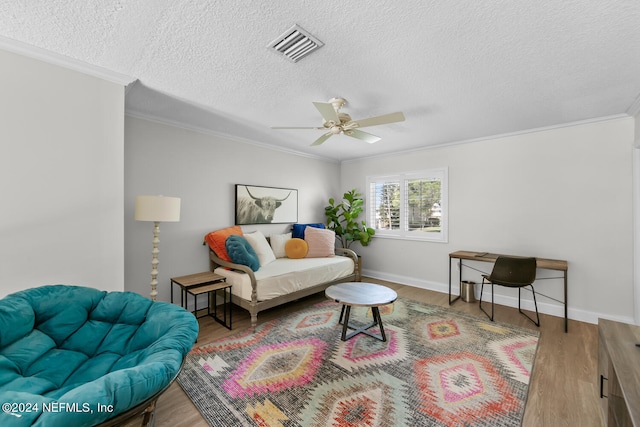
(76, 356)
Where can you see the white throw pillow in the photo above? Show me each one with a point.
(259, 244)
(277, 244)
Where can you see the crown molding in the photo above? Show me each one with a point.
(491, 137)
(54, 58)
(205, 131)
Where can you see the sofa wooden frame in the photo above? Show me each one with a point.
(254, 306)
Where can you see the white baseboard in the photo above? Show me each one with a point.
(553, 309)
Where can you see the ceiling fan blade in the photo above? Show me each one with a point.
(322, 139)
(289, 127)
(367, 137)
(327, 111)
(380, 120)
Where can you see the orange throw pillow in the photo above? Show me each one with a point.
(296, 248)
(217, 240)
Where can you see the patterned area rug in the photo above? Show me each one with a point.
(438, 367)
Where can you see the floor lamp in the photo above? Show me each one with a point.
(157, 209)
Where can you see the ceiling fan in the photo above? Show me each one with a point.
(336, 122)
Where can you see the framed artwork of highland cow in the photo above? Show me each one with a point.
(257, 204)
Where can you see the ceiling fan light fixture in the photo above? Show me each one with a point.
(337, 122)
(295, 44)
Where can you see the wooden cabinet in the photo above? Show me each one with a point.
(619, 373)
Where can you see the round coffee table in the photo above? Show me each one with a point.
(361, 294)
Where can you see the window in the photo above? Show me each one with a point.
(409, 205)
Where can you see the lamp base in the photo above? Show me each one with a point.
(154, 261)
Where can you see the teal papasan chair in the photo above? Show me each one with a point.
(76, 356)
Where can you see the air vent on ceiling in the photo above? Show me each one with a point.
(295, 43)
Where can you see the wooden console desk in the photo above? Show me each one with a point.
(544, 263)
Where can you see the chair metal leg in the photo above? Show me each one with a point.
(534, 303)
(480, 303)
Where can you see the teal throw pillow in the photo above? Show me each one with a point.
(241, 252)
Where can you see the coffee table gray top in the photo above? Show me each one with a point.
(361, 294)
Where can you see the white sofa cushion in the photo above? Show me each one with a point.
(285, 275)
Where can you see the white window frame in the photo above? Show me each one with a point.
(403, 233)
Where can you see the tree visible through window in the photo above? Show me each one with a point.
(423, 205)
(387, 202)
(409, 205)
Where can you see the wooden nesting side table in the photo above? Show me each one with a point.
(209, 283)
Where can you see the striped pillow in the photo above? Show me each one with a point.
(322, 242)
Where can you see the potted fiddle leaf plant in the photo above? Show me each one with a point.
(342, 218)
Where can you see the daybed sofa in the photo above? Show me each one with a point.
(76, 356)
(287, 270)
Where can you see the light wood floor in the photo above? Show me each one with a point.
(563, 389)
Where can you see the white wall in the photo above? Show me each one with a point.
(61, 177)
(636, 218)
(637, 130)
(563, 193)
(202, 170)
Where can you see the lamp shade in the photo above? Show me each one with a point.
(157, 208)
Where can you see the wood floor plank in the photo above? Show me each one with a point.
(562, 392)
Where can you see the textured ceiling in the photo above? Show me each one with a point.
(459, 70)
